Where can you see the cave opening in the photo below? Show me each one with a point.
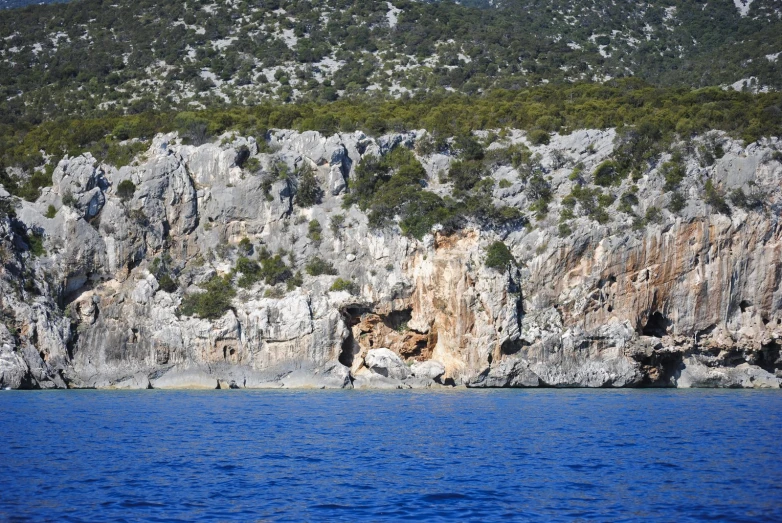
(397, 320)
(509, 347)
(769, 357)
(348, 351)
(657, 325)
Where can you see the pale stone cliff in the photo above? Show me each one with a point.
(691, 299)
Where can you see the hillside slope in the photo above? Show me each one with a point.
(89, 56)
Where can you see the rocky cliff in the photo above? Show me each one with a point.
(93, 280)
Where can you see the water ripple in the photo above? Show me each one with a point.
(540, 455)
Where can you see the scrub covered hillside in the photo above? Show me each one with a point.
(91, 56)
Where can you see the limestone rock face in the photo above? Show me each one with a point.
(691, 299)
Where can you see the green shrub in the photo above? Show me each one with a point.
(755, 200)
(591, 201)
(343, 285)
(607, 174)
(653, 215)
(35, 242)
(539, 190)
(308, 191)
(250, 271)
(51, 212)
(161, 270)
(716, 198)
(314, 231)
(468, 147)
(539, 137)
(465, 174)
(68, 198)
(294, 281)
(245, 246)
(317, 266)
(30, 188)
(213, 302)
(674, 173)
(253, 165)
(118, 155)
(499, 257)
(393, 185)
(627, 201)
(125, 190)
(337, 222)
(677, 202)
(504, 184)
(274, 270)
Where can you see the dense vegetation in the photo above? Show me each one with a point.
(654, 114)
(90, 57)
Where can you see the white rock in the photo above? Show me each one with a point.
(386, 363)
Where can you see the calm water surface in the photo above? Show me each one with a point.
(539, 455)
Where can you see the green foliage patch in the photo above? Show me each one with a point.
(213, 302)
(499, 257)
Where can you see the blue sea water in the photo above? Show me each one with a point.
(13, 4)
(498, 455)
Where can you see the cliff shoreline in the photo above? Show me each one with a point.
(691, 298)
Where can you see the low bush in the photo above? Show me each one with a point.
(607, 174)
(343, 285)
(673, 173)
(715, 198)
(677, 202)
(308, 190)
(126, 189)
(294, 281)
(314, 231)
(336, 223)
(754, 200)
(317, 266)
(35, 242)
(539, 137)
(499, 257)
(213, 302)
(161, 270)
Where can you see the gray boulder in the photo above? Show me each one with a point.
(386, 363)
(430, 369)
(509, 372)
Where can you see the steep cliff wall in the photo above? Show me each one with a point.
(686, 298)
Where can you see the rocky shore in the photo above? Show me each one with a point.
(689, 299)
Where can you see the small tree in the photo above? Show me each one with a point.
(498, 256)
(126, 189)
(308, 191)
(245, 246)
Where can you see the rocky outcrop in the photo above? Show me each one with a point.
(688, 299)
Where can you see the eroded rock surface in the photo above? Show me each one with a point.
(691, 299)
